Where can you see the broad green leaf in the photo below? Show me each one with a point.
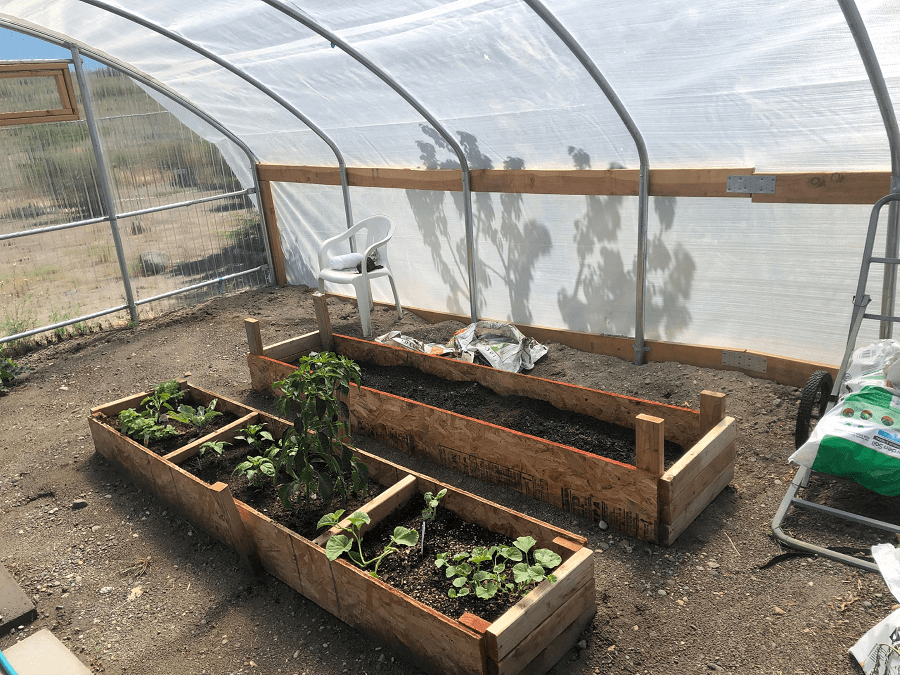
(547, 558)
(459, 582)
(480, 575)
(337, 545)
(463, 591)
(405, 536)
(360, 518)
(330, 519)
(499, 568)
(524, 544)
(512, 553)
(520, 573)
(536, 573)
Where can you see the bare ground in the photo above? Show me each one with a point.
(702, 605)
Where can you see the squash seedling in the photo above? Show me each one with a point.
(465, 569)
(198, 417)
(341, 543)
(430, 513)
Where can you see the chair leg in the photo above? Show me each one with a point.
(364, 303)
(396, 297)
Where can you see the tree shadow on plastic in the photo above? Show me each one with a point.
(602, 299)
(517, 244)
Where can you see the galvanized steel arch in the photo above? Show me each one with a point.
(302, 18)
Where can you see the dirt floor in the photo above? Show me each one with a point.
(132, 588)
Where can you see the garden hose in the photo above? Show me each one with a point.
(6, 666)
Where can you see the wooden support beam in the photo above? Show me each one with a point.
(823, 187)
(712, 410)
(240, 538)
(323, 319)
(649, 444)
(254, 336)
(267, 202)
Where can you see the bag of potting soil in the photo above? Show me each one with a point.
(859, 438)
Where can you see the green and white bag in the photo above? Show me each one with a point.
(859, 438)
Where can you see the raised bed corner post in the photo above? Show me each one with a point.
(103, 174)
(644, 188)
(376, 70)
(882, 96)
(323, 320)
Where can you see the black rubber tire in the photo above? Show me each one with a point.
(813, 402)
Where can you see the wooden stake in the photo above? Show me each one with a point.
(323, 320)
(712, 410)
(254, 337)
(240, 538)
(649, 443)
(268, 206)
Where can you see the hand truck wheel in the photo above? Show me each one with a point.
(813, 402)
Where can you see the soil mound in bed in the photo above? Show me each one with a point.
(520, 413)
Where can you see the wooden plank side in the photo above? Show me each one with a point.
(272, 544)
(223, 403)
(682, 501)
(681, 423)
(669, 532)
(551, 654)
(294, 348)
(228, 432)
(519, 621)
(684, 472)
(586, 485)
(580, 608)
(378, 509)
(820, 187)
(432, 641)
(264, 371)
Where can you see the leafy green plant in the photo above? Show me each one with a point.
(255, 435)
(429, 513)
(10, 371)
(257, 469)
(312, 454)
(160, 401)
(213, 448)
(198, 417)
(339, 544)
(143, 427)
(486, 572)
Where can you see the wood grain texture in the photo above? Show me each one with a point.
(670, 531)
(434, 642)
(649, 444)
(712, 410)
(524, 657)
(271, 215)
(685, 471)
(227, 432)
(681, 423)
(523, 618)
(323, 321)
(682, 501)
(553, 652)
(821, 187)
(264, 371)
(294, 348)
(254, 336)
(587, 485)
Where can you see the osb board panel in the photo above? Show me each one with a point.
(684, 472)
(291, 558)
(264, 371)
(586, 485)
(519, 622)
(582, 601)
(681, 423)
(440, 644)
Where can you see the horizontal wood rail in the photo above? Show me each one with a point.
(823, 187)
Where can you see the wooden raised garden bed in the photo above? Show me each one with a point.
(642, 500)
(529, 637)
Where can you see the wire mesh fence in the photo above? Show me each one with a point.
(49, 178)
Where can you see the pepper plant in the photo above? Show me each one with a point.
(144, 424)
(198, 417)
(485, 571)
(312, 454)
(341, 543)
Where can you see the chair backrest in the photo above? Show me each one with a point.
(377, 228)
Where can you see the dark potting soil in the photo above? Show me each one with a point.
(302, 519)
(520, 413)
(186, 432)
(415, 574)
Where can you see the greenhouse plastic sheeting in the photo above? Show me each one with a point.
(778, 86)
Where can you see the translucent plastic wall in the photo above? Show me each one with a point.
(770, 85)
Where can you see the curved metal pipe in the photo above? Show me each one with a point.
(644, 184)
(249, 79)
(302, 18)
(883, 97)
(40, 34)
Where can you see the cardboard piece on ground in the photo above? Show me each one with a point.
(16, 608)
(43, 653)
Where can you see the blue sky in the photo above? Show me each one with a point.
(18, 47)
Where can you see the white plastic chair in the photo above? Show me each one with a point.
(378, 232)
